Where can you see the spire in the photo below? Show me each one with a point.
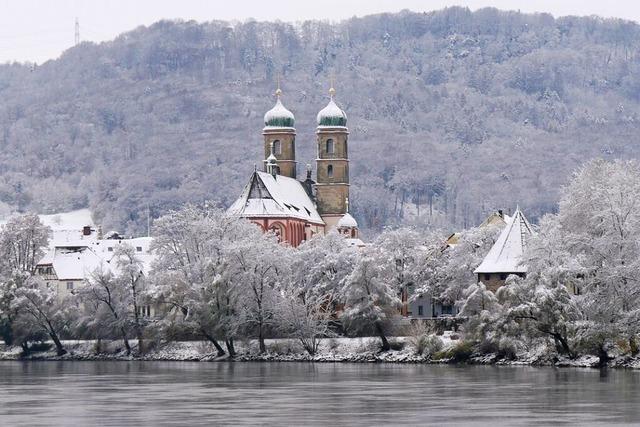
(332, 91)
(279, 115)
(309, 171)
(332, 115)
(278, 90)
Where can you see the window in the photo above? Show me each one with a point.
(420, 310)
(447, 309)
(330, 146)
(503, 276)
(330, 171)
(277, 147)
(138, 248)
(69, 286)
(487, 276)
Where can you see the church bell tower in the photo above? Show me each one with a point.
(332, 163)
(280, 138)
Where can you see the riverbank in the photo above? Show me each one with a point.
(332, 350)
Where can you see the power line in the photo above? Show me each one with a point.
(77, 32)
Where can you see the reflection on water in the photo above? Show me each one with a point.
(178, 393)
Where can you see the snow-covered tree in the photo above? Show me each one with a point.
(599, 223)
(369, 299)
(114, 297)
(40, 312)
(257, 266)
(446, 272)
(310, 295)
(191, 274)
(23, 240)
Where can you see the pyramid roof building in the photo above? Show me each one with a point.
(505, 256)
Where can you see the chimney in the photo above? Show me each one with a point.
(86, 230)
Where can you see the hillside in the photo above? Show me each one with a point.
(451, 113)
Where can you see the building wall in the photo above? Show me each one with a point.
(287, 156)
(290, 230)
(494, 281)
(332, 188)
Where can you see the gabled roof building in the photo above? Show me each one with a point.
(505, 256)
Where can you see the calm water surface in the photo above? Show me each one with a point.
(296, 394)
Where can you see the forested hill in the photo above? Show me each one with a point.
(451, 113)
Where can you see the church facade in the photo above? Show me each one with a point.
(296, 210)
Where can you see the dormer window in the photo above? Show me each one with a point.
(330, 171)
(330, 146)
(277, 147)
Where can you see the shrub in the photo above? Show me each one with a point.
(461, 352)
(396, 344)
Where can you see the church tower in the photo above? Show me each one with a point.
(279, 133)
(332, 164)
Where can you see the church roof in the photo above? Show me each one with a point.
(276, 197)
(505, 255)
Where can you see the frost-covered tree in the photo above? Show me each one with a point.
(191, 274)
(257, 266)
(447, 271)
(23, 240)
(402, 253)
(599, 219)
(310, 295)
(40, 312)
(105, 305)
(114, 298)
(369, 299)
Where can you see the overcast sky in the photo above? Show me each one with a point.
(37, 30)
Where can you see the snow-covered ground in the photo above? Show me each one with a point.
(355, 350)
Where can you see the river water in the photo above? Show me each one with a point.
(301, 394)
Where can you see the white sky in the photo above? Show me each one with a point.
(37, 30)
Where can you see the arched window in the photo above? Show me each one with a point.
(277, 147)
(330, 146)
(330, 171)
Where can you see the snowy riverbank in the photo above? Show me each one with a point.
(334, 350)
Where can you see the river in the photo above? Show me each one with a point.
(296, 394)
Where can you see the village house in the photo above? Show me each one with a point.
(68, 264)
(424, 306)
(505, 256)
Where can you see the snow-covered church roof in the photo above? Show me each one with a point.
(505, 255)
(277, 197)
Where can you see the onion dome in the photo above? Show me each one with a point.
(347, 221)
(279, 116)
(332, 115)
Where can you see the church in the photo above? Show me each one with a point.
(296, 210)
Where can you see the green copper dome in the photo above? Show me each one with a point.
(279, 116)
(332, 115)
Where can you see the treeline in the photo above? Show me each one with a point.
(219, 278)
(452, 114)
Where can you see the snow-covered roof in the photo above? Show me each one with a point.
(355, 242)
(75, 263)
(347, 221)
(505, 255)
(67, 226)
(77, 260)
(276, 197)
(279, 116)
(332, 115)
